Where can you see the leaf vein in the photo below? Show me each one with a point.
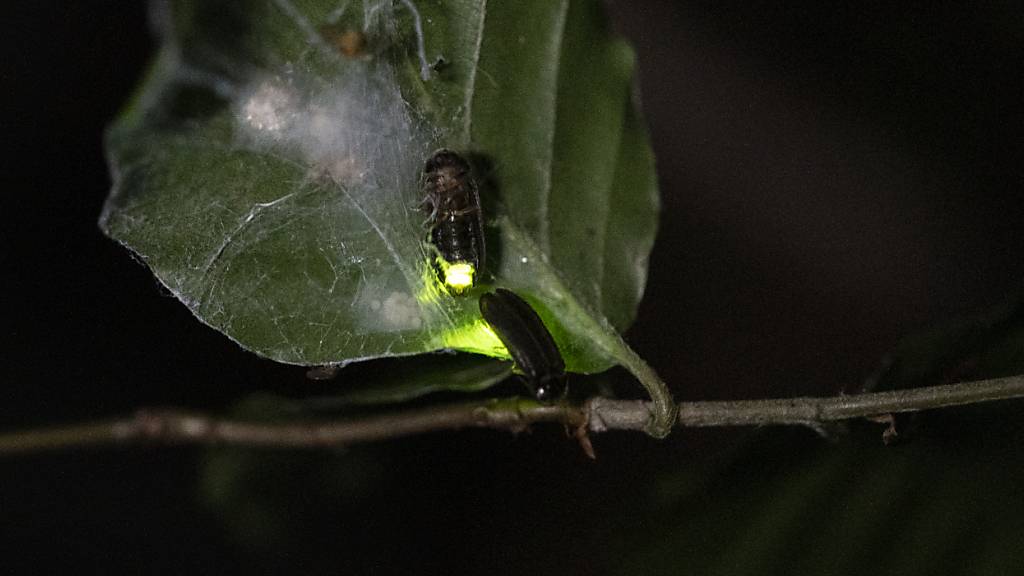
(467, 106)
(543, 226)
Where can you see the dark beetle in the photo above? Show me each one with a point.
(451, 199)
(528, 341)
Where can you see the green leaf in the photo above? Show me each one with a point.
(268, 173)
(410, 378)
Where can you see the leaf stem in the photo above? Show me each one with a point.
(662, 408)
(173, 427)
(598, 330)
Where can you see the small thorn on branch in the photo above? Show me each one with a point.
(890, 436)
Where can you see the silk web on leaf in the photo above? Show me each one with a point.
(268, 172)
(306, 138)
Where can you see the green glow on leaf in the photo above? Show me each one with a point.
(476, 337)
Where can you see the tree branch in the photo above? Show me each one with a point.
(515, 414)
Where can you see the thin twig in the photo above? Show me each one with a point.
(595, 415)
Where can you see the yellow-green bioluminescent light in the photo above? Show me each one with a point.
(475, 335)
(458, 276)
(477, 338)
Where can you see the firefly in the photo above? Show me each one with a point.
(452, 202)
(528, 342)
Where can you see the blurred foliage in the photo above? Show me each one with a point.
(987, 345)
(779, 501)
(945, 503)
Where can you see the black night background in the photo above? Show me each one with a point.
(834, 176)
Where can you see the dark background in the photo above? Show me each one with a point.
(833, 178)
